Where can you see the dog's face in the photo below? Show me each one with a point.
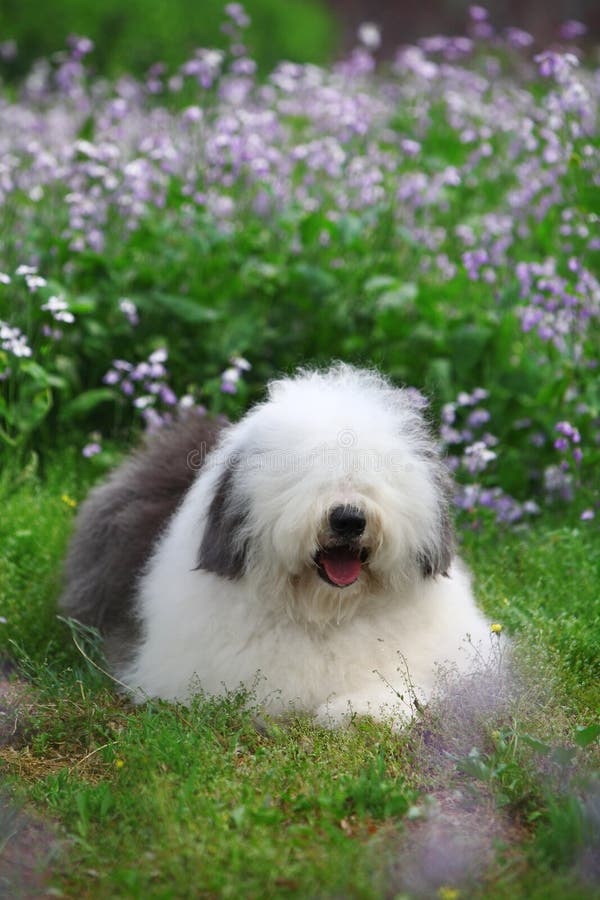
(332, 494)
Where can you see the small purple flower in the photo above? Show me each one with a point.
(518, 38)
(129, 310)
(79, 46)
(478, 417)
(587, 515)
(572, 29)
(237, 14)
(477, 456)
(473, 260)
(410, 147)
(448, 413)
(167, 395)
(91, 450)
(54, 334)
(192, 114)
(478, 13)
(121, 365)
(8, 50)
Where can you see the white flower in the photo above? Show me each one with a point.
(34, 282)
(159, 356)
(58, 308)
(369, 35)
(231, 375)
(240, 363)
(143, 402)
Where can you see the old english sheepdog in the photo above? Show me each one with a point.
(305, 552)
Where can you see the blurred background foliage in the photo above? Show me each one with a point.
(133, 36)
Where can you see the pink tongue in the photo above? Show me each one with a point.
(342, 569)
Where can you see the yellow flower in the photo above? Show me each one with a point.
(496, 628)
(119, 763)
(448, 893)
(68, 501)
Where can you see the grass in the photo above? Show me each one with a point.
(165, 801)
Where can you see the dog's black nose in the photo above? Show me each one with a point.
(347, 521)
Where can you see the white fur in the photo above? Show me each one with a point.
(320, 439)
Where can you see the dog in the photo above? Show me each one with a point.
(305, 553)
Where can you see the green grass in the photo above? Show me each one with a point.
(168, 802)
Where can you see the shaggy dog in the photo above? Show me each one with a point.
(305, 553)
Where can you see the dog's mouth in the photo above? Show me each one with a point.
(341, 565)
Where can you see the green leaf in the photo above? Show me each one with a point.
(584, 736)
(398, 298)
(35, 371)
(83, 304)
(190, 311)
(87, 401)
(539, 746)
(379, 283)
(474, 765)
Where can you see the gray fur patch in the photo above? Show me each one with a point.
(118, 526)
(223, 550)
(436, 558)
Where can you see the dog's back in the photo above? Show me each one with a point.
(119, 523)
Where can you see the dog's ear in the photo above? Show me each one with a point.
(224, 548)
(435, 558)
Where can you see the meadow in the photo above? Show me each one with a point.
(170, 242)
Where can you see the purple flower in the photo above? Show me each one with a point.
(477, 456)
(167, 395)
(8, 50)
(478, 417)
(572, 29)
(478, 13)
(518, 38)
(473, 260)
(129, 310)
(91, 450)
(237, 14)
(587, 515)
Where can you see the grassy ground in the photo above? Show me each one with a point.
(490, 793)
